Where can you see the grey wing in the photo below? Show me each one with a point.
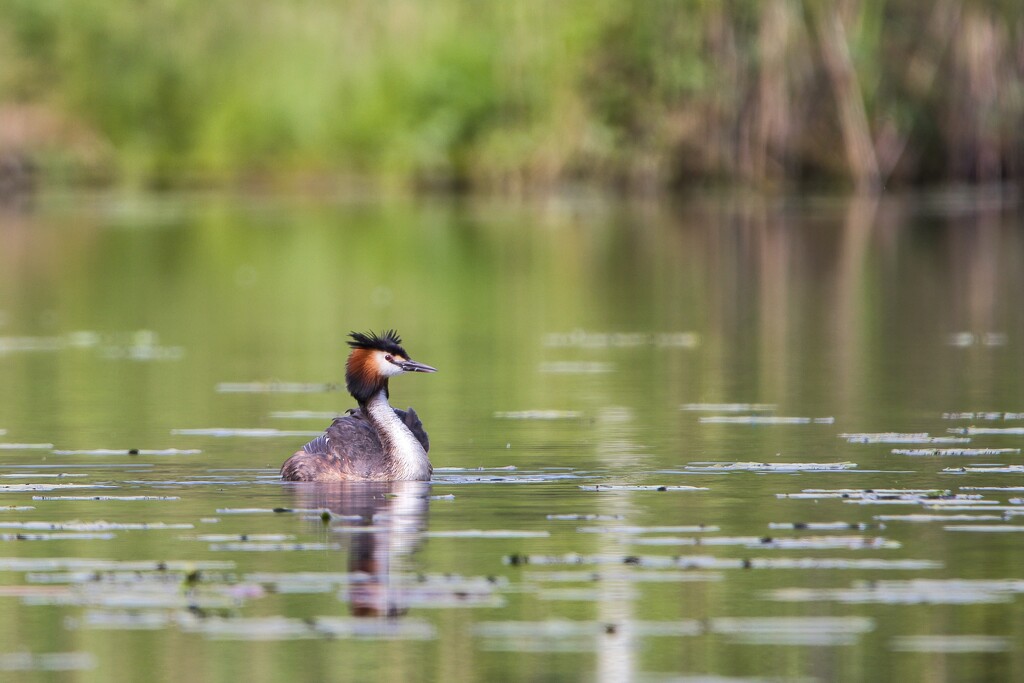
(348, 449)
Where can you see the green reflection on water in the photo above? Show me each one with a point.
(120, 318)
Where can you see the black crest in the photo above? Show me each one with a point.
(387, 341)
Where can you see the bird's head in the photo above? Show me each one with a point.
(374, 359)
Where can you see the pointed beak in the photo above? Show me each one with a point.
(413, 366)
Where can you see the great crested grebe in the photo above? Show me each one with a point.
(374, 442)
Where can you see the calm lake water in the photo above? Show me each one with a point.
(728, 439)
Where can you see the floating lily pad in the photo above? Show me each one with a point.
(913, 591)
(938, 518)
(997, 431)
(773, 466)
(132, 451)
(951, 644)
(108, 498)
(986, 528)
(272, 547)
(899, 437)
(47, 661)
(983, 416)
(711, 562)
(683, 529)
(637, 487)
(802, 631)
(954, 451)
(487, 533)
(765, 420)
(820, 526)
(998, 469)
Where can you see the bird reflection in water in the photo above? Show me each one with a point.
(383, 524)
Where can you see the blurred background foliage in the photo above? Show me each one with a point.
(512, 97)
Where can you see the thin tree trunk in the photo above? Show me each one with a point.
(853, 120)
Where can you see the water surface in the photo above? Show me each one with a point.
(751, 439)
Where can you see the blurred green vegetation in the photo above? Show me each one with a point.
(514, 97)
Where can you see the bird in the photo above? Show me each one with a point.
(373, 442)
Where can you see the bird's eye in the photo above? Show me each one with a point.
(388, 358)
